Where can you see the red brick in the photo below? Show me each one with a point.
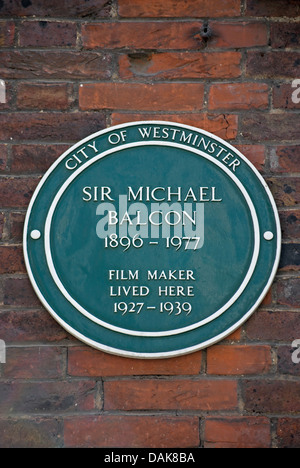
(285, 34)
(273, 325)
(16, 192)
(288, 433)
(180, 65)
(19, 292)
(255, 154)
(47, 34)
(7, 33)
(67, 8)
(47, 397)
(244, 432)
(222, 125)
(2, 223)
(290, 257)
(131, 431)
(288, 292)
(34, 363)
(202, 395)
(273, 64)
(238, 360)
(49, 127)
(173, 8)
(30, 433)
(276, 8)
(29, 64)
(47, 96)
(89, 362)
(285, 159)
(283, 96)
(30, 326)
(142, 35)
(286, 366)
(16, 223)
(271, 396)
(11, 259)
(237, 34)
(35, 159)
(238, 96)
(144, 97)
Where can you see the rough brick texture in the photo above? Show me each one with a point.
(74, 67)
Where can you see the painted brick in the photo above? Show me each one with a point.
(143, 97)
(244, 432)
(204, 395)
(238, 360)
(121, 431)
(179, 65)
(173, 8)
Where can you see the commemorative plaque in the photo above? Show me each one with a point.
(151, 240)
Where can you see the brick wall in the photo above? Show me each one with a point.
(75, 67)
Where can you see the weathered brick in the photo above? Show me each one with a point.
(222, 125)
(7, 33)
(47, 34)
(237, 34)
(29, 326)
(49, 127)
(179, 65)
(288, 432)
(238, 96)
(31, 433)
(285, 365)
(273, 64)
(47, 397)
(35, 159)
(131, 431)
(89, 362)
(173, 8)
(290, 224)
(16, 192)
(283, 97)
(47, 96)
(285, 34)
(271, 396)
(11, 259)
(290, 257)
(273, 325)
(286, 191)
(255, 154)
(238, 359)
(34, 363)
(142, 35)
(2, 223)
(203, 395)
(258, 127)
(29, 64)
(67, 8)
(285, 159)
(288, 292)
(144, 97)
(3, 157)
(243, 432)
(278, 8)
(16, 223)
(19, 292)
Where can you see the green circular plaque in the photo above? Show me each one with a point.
(152, 239)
